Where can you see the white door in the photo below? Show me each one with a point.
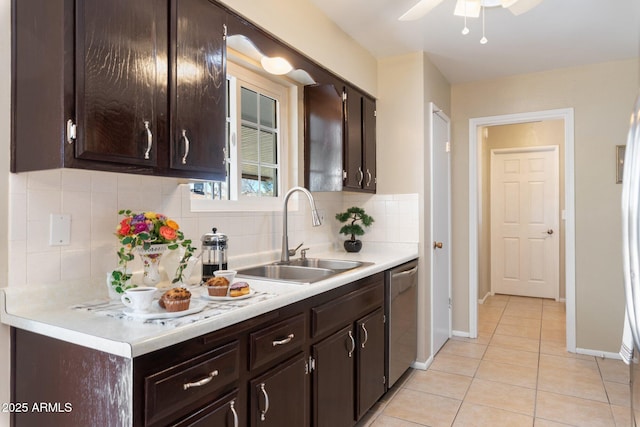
(524, 222)
(440, 229)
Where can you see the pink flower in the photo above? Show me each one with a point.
(167, 232)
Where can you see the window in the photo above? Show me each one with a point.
(257, 110)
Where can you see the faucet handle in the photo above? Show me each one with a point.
(292, 252)
(303, 253)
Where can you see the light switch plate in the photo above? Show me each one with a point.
(59, 229)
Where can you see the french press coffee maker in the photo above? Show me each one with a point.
(214, 253)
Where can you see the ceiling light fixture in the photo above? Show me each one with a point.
(470, 9)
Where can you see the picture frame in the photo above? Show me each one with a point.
(619, 162)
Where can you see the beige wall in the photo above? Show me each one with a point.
(547, 132)
(406, 85)
(602, 96)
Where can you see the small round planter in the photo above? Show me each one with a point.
(352, 245)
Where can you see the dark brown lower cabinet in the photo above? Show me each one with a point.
(317, 362)
(370, 379)
(279, 397)
(333, 379)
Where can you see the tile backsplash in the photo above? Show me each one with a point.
(93, 199)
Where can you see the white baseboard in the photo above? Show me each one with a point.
(598, 353)
(461, 334)
(487, 295)
(422, 365)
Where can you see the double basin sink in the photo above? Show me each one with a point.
(301, 271)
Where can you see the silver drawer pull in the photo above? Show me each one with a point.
(202, 382)
(353, 344)
(263, 413)
(233, 411)
(149, 139)
(361, 176)
(186, 146)
(287, 340)
(368, 177)
(366, 335)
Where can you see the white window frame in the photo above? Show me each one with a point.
(286, 95)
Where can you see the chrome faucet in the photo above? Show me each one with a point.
(315, 219)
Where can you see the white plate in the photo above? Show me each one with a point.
(158, 312)
(249, 295)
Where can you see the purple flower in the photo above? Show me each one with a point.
(139, 218)
(141, 227)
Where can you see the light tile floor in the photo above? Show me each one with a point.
(516, 373)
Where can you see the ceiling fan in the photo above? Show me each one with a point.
(469, 8)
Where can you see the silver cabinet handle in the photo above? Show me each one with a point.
(353, 344)
(405, 273)
(287, 340)
(233, 411)
(366, 335)
(368, 177)
(205, 380)
(263, 413)
(186, 146)
(361, 176)
(149, 139)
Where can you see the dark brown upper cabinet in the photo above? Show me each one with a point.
(198, 87)
(323, 138)
(359, 141)
(125, 86)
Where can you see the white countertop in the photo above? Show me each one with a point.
(49, 311)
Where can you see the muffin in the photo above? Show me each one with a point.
(217, 286)
(176, 299)
(238, 289)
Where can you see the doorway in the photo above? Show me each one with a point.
(476, 127)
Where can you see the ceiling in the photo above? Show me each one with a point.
(555, 34)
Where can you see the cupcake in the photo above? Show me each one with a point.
(238, 289)
(176, 299)
(217, 286)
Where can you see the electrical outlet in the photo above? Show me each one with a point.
(59, 229)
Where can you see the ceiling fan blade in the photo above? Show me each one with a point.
(419, 10)
(522, 6)
(471, 8)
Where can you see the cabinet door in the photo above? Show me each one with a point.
(221, 413)
(370, 364)
(333, 376)
(353, 140)
(121, 71)
(279, 397)
(323, 138)
(369, 144)
(199, 88)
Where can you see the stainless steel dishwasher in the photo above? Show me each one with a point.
(401, 285)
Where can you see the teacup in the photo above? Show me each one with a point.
(139, 299)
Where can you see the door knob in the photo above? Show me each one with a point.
(550, 231)
(437, 245)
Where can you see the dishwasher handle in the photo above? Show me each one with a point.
(405, 273)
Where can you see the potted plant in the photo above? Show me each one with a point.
(353, 215)
(150, 234)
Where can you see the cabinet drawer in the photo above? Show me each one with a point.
(175, 388)
(276, 340)
(331, 315)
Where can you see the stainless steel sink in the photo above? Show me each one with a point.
(302, 271)
(331, 264)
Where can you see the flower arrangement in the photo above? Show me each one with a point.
(142, 230)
